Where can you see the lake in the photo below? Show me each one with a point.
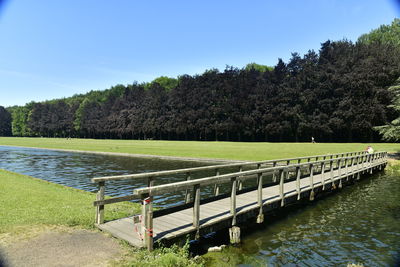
(77, 169)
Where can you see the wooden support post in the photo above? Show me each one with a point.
(339, 173)
(260, 217)
(233, 200)
(196, 210)
(147, 217)
(281, 188)
(323, 175)
(312, 182)
(298, 175)
(346, 164)
(331, 174)
(234, 235)
(273, 174)
(216, 186)
(363, 162)
(370, 163)
(187, 194)
(355, 166)
(240, 186)
(100, 208)
(150, 183)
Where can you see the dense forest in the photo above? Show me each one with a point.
(339, 93)
(5, 122)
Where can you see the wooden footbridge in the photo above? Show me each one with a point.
(239, 192)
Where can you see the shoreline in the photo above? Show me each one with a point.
(146, 156)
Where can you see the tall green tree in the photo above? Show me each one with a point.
(165, 82)
(391, 131)
(5, 122)
(258, 67)
(385, 34)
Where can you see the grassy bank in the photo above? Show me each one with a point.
(29, 206)
(222, 150)
(26, 201)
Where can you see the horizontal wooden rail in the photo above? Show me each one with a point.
(218, 179)
(178, 186)
(215, 167)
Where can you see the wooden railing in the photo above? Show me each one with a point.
(101, 181)
(361, 162)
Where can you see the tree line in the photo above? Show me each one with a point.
(339, 93)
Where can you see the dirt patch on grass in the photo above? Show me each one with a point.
(66, 248)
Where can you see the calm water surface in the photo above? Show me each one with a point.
(359, 224)
(76, 169)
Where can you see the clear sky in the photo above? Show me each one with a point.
(54, 49)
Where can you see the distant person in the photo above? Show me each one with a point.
(312, 140)
(370, 150)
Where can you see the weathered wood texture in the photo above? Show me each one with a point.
(227, 212)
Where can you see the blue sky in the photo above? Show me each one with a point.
(54, 49)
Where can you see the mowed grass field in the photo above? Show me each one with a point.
(196, 149)
(27, 201)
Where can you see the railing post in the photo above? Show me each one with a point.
(240, 186)
(323, 174)
(281, 188)
(150, 183)
(234, 231)
(100, 208)
(331, 173)
(233, 199)
(273, 174)
(340, 173)
(298, 174)
(187, 194)
(147, 217)
(363, 159)
(196, 209)
(216, 186)
(260, 217)
(371, 158)
(312, 181)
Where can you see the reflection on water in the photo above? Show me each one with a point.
(358, 224)
(76, 169)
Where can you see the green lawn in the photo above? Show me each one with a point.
(222, 150)
(26, 201)
(29, 205)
